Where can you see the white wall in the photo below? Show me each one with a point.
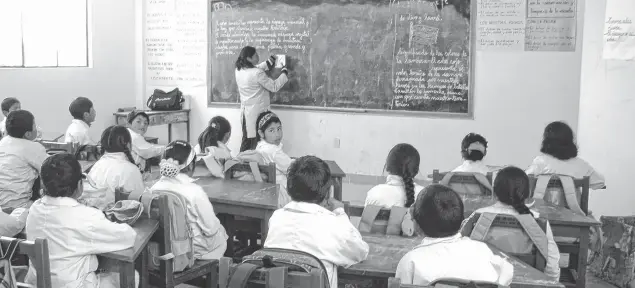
(109, 83)
(516, 95)
(606, 129)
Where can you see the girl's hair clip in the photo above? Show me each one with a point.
(213, 125)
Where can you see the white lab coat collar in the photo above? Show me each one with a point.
(427, 241)
(305, 207)
(115, 155)
(59, 201)
(82, 123)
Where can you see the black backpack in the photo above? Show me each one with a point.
(166, 101)
(294, 260)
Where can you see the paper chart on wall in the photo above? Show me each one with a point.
(175, 41)
(526, 25)
(619, 30)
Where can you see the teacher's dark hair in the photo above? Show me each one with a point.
(558, 141)
(242, 62)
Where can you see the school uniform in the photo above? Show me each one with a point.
(112, 171)
(142, 150)
(552, 269)
(14, 223)
(254, 86)
(274, 154)
(311, 228)
(574, 167)
(390, 194)
(453, 257)
(213, 157)
(76, 234)
(472, 167)
(77, 132)
(208, 234)
(20, 163)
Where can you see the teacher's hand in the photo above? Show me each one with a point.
(271, 62)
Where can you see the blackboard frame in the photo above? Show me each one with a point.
(406, 113)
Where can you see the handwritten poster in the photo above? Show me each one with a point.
(619, 30)
(526, 25)
(175, 42)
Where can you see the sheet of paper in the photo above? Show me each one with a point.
(619, 30)
(501, 25)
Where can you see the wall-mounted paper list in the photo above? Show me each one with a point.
(619, 30)
(529, 25)
(501, 25)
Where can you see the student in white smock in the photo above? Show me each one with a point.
(254, 86)
(473, 150)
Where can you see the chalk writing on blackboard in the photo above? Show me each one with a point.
(422, 35)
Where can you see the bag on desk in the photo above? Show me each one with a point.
(166, 101)
(614, 261)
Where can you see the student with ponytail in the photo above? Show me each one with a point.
(116, 168)
(212, 148)
(254, 87)
(511, 188)
(400, 190)
(177, 167)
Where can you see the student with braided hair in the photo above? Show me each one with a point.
(511, 188)
(209, 237)
(212, 148)
(116, 168)
(400, 190)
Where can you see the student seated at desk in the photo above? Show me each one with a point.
(400, 190)
(444, 253)
(83, 114)
(560, 156)
(177, 166)
(473, 150)
(8, 105)
(115, 169)
(212, 146)
(512, 190)
(75, 233)
(270, 147)
(315, 223)
(141, 149)
(20, 160)
(12, 224)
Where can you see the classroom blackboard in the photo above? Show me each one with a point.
(359, 55)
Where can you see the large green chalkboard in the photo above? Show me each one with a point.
(360, 55)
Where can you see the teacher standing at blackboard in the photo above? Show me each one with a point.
(254, 86)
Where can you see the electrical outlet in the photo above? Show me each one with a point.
(336, 143)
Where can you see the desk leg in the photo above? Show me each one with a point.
(582, 257)
(188, 130)
(169, 133)
(126, 275)
(337, 188)
(145, 278)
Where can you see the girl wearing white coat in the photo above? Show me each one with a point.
(254, 86)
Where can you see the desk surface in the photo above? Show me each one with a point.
(555, 214)
(386, 251)
(336, 171)
(249, 194)
(145, 228)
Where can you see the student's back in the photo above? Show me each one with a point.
(75, 233)
(313, 223)
(444, 253)
(473, 150)
(402, 165)
(208, 235)
(20, 160)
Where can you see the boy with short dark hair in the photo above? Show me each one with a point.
(8, 105)
(20, 160)
(314, 223)
(76, 233)
(444, 253)
(83, 114)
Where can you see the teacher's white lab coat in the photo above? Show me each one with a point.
(254, 86)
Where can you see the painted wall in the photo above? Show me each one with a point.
(110, 82)
(516, 95)
(606, 130)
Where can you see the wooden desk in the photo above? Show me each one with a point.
(160, 118)
(564, 223)
(386, 251)
(336, 174)
(125, 259)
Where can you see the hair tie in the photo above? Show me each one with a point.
(169, 168)
(213, 125)
(264, 119)
(476, 146)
